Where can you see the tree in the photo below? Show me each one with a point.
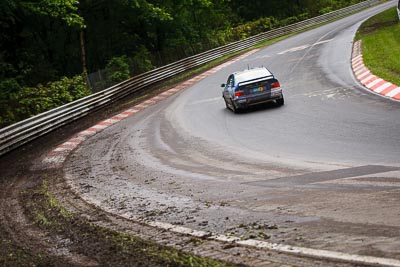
(66, 10)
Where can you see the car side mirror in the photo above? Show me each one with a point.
(223, 85)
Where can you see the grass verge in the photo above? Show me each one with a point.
(106, 247)
(380, 37)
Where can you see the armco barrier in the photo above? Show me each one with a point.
(29, 129)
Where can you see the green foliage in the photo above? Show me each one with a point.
(39, 40)
(141, 61)
(19, 103)
(288, 21)
(9, 89)
(254, 27)
(62, 9)
(117, 69)
(326, 10)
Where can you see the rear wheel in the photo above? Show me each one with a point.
(280, 101)
(226, 104)
(234, 108)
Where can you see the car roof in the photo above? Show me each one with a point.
(251, 74)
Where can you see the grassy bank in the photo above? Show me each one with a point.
(380, 37)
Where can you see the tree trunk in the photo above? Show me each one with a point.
(83, 52)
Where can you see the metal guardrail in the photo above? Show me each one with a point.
(22, 132)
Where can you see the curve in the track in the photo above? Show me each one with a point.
(320, 172)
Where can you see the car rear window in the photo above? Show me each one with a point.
(252, 75)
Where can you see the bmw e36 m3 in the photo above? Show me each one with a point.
(251, 87)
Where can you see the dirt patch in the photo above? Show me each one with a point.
(376, 26)
(68, 239)
(44, 224)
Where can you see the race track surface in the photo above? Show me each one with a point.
(323, 171)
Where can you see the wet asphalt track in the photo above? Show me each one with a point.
(323, 171)
(327, 118)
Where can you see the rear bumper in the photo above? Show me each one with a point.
(246, 101)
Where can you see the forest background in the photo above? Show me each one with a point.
(53, 51)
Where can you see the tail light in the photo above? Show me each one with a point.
(275, 85)
(239, 93)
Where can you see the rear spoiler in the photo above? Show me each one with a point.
(256, 80)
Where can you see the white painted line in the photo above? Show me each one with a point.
(179, 229)
(323, 42)
(310, 252)
(317, 253)
(184, 230)
(161, 225)
(393, 92)
(294, 49)
(382, 87)
(299, 48)
(224, 238)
